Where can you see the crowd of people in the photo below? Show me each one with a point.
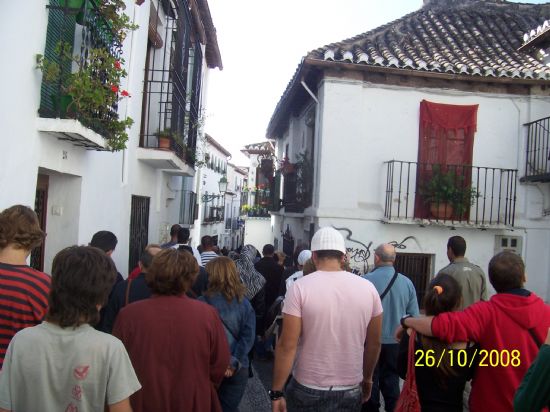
(181, 331)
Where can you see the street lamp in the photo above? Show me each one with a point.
(222, 184)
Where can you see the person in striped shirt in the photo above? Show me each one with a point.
(207, 250)
(23, 290)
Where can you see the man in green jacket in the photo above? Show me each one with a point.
(470, 277)
(533, 393)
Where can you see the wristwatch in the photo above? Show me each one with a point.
(275, 395)
(403, 321)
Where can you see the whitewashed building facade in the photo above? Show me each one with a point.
(367, 122)
(60, 164)
(258, 195)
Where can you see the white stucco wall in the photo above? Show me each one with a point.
(258, 232)
(208, 183)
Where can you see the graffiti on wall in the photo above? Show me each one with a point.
(401, 245)
(359, 252)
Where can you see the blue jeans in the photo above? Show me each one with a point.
(232, 389)
(303, 399)
(385, 380)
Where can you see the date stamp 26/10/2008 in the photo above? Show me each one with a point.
(463, 358)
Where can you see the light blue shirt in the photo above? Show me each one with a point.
(399, 301)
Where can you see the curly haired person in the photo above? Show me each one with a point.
(23, 290)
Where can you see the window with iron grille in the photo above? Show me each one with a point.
(171, 98)
(418, 268)
(187, 207)
(139, 228)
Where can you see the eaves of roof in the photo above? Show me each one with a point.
(462, 40)
(217, 145)
(212, 53)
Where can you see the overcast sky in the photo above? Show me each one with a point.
(262, 43)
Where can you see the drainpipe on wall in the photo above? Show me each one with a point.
(316, 173)
(303, 83)
(125, 171)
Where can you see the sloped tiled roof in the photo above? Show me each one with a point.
(465, 38)
(258, 148)
(217, 145)
(476, 38)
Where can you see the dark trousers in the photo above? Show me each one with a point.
(300, 398)
(385, 380)
(232, 389)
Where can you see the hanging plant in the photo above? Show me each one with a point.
(92, 92)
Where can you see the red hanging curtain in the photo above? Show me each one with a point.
(445, 117)
(446, 138)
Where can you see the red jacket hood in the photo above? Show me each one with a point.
(526, 311)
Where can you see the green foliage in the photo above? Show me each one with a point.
(94, 88)
(448, 187)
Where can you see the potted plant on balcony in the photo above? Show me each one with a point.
(286, 167)
(164, 138)
(447, 194)
(91, 93)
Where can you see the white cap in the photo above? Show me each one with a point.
(328, 238)
(304, 256)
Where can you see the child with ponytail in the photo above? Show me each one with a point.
(441, 369)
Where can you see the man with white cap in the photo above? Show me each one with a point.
(332, 325)
(302, 258)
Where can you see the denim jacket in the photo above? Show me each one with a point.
(239, 322)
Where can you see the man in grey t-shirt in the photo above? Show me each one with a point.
(64, 364)
(470, 277)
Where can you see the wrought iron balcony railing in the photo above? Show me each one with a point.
(214, 215)
(537, 163)
(231, 223)
(172, 87)
(479, 196)
(296, 193)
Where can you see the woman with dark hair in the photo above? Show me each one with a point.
(177, 344)
(441, 384)
(226, 293)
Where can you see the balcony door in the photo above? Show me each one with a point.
(446, 141)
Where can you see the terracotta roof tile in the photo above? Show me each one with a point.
(468, 37)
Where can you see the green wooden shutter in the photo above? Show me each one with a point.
(61, 28)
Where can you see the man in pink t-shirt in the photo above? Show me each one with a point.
(332, 328)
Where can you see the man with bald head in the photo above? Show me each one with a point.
(398, 297)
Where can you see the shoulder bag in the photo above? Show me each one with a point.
(392, 281)
(408, 400)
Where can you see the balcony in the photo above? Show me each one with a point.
(78, 101)
(214, 214)
(232, 223)
(296, 193)
(171, 114)
(455, 195)
(537, 164)
(172, 159)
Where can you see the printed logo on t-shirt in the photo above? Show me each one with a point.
(81, 372)
(71, 408)
(77, 392)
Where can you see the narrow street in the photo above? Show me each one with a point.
(255, 398)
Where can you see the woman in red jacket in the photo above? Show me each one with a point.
(509, 328)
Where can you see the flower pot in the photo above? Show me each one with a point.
(61, 104)
(288, 168)
(441, 210)
(164, 142)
